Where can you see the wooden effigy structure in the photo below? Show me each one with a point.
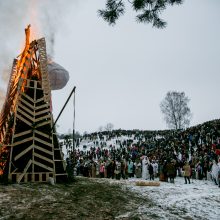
(29, 148)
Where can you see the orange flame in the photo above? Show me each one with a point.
(20, 67)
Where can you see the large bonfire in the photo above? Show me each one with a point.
(29, 149)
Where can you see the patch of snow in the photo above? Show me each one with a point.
(198, 200)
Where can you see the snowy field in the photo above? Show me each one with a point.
(198, 200)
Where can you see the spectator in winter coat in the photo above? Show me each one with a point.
(171, 171)
(199, 171)
(102, 170)
(138, 169)
(130, 168)
(117, 170)
(151, 171)
(187, 172)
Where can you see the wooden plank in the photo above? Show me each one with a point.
(28, 97)
(14, 171)
(61, 174)
(43, 118)
(39, 89)
(43, 142)
(26, 178)
(47, 105)
(22, 133)
(26, 109)
(43, 166)
(42, 149)
(43, 134)
(42, 124)
(22, 141)
(47, 176)
(24, 120)
(43, 158)
(39, 100)
(23, 152)
(26, 103)
(23, 113)
(43, 111)
(24, 172)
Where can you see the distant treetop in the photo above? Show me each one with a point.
(148, 10)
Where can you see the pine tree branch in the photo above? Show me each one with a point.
(150, 10)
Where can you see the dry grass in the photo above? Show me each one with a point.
(83, 199)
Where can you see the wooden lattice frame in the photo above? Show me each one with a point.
(29, 141)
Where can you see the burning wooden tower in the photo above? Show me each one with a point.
(29, 148)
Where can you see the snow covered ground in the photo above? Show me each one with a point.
(198, 200)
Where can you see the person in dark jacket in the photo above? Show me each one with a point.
(151, 171)
(171, 171)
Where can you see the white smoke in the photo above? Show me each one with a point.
(45, 16)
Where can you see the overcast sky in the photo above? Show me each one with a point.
(122, 73)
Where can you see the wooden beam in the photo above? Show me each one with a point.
(43, 118)
(43, 158)
(43, 142)
(42, 149)
(42, 112)
(26, 103)
(39, 100)
(24, 120)
(44, 123)
(22, 133)
(61, 174)
(28, 97)
(23, 113)
(43, 166)
(25, 170)
(43, 134)
(47, 105)
(26, 109)
(23, 152)
(23, 141)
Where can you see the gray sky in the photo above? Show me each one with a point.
(123, 72)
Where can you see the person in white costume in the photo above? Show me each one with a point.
(155, 167)
(145, 171)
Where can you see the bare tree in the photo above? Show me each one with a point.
(109, 127)
(175, 108)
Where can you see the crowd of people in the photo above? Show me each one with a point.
(192, 153)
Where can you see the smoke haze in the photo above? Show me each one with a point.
(45, 17)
